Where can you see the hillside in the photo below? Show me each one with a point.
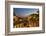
(29, 21)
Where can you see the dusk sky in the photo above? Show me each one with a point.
(23, 12)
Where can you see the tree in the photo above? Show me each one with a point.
(38, 11)
(34, 19)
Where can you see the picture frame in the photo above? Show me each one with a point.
(17, 5)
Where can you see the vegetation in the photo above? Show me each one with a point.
(30, 21)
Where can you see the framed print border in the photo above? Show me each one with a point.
(7, 17)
